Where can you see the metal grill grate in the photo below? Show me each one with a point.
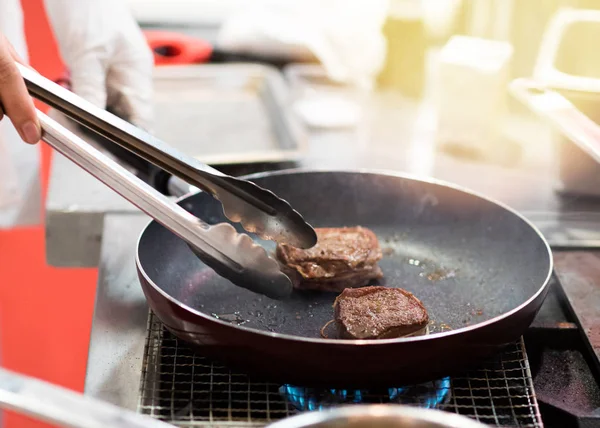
(188, 390)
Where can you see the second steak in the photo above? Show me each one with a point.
(379, 313)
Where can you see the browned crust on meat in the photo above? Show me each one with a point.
(378, 312)
(343, 257)
(354, 279)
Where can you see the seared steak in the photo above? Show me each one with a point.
(379, 313)
(343, 257)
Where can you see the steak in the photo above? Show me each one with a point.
(379, 313)
(343, 257)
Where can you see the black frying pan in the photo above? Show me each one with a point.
(480, 269)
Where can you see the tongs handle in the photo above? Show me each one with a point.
(232, 255)
(116, 129)
(258, 210)
(142, 195)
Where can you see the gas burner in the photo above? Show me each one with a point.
(184, 388)
(426, 395)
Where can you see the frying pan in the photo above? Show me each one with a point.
(480, 269)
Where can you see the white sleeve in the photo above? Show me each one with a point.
(11, 24)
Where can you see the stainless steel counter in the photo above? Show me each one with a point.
(89, 225)
(119, 324)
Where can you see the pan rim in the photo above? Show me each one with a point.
(373, 342)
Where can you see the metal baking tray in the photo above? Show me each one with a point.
(227, 113)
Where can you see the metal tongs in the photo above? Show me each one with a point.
(232, 255)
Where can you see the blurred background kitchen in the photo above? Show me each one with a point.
(418, 86)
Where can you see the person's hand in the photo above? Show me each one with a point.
(109, 60)
(15, 101)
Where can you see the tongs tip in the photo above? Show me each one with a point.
(267, 215)
(250, 266)
(304, 239)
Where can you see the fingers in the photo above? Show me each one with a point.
(14, 97)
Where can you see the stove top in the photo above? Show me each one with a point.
(550, 378)
(562, 343)
(186, 389)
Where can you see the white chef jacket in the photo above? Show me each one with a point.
(19, 162)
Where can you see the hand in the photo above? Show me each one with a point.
(109, 60)
(15, 100)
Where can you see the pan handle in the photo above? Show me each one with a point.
(58, 405)
(560, 113)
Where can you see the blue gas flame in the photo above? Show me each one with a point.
(429, 395)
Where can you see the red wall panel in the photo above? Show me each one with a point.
(45, 313)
